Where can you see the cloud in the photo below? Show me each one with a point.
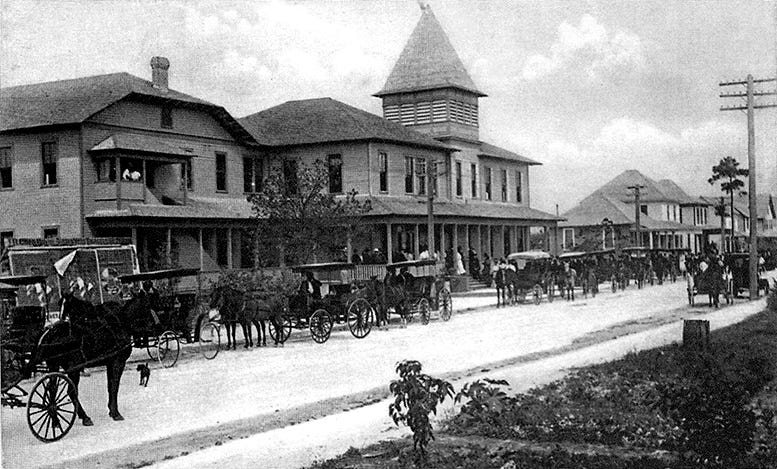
(686, 157)
(590, 49)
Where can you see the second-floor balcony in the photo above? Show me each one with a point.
(140, 169)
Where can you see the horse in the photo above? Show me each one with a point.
(229, 302)
(91, 336)
(505, 279)
(257, 311)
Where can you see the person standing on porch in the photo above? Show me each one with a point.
(459, 262)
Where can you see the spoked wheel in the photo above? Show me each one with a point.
(423, 310)
(51, 408)
(360, 318)
(210, 340)
(445, 303)
(283, 331)
(167, 349)
(320, 326)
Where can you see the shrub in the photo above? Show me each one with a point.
(416, 395)
(486, 404)
(711, 409)
(771, 300)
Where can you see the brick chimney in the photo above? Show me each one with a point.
(159, 66)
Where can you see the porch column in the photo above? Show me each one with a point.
(118, 183)
(184, 169)
(229, 248)
(389, 244)
(455, 237)
(442, 240)
(490, 246)
(349, 247)
(650, 239)
(417, 242)
(145, 178)
(202, 248)
(466, 240)
(169, 247)
(501, 243)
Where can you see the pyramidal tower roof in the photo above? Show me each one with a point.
(428, 61)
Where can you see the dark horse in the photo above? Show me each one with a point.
(236, 307)
(505, 279)
(91, 336)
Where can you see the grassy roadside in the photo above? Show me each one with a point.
(667, 407)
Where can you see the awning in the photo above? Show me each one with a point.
(138, 143)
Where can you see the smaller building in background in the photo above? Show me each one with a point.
(669, 217)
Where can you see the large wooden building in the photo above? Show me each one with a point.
(119, 156)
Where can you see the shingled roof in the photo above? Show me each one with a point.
(322, 120)
(428, 61)
(402, 206)
(76, 100)
(486, 149)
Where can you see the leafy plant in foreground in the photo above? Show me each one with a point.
(416, 395)
(485, 401)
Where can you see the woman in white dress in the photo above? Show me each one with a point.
(459, 262)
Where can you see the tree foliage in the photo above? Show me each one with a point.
(299, 220)
(728, 172)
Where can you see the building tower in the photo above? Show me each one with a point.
(429, 90)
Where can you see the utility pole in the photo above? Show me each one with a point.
(431, 186)
(638, 226)
(749, 94)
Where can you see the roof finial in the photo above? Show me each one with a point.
(424, 6)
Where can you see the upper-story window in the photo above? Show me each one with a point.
(106, 169)
(518, 186)
(221, 172)
(290, 176)
(6, 168)
(488, 183)
(420, 169)
(383, 171)
(335, 165)
(5, 238)
(49, 163)
(643, 208)
(568, 238)
(458, 178)
(51, 232)
(409, 175)
(473, 174)
(504, 185)
(186, 174)
(252, 174)
(166, 120)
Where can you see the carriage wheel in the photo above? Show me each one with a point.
(445, 304)
(51, 410)
(167, 349)
(281, 335)
(210, 340)
(320, 326)
(360, 318)
(423, 310)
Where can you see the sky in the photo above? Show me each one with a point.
(587, 88)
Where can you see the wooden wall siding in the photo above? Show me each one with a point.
(396, 168)
(28, 206)
(128, 113)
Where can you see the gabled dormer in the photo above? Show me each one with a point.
(429, 89)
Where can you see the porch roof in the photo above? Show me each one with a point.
(385, 206)
(196, 207)
(139, 143)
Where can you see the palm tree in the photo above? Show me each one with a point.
(728, 171)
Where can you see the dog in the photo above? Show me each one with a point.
(145, 373)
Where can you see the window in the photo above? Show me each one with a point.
(132, 170)
(6, 168)
(5, 236)
(51, 232)
(335, 165)
(643, 209)
(408, 175)
(106, 170)
(504, 185)
(221, 172)
(474, 179)
(518, 186)
(488, 183)
(458, 178)
(383, 171)
(253, 174)
(420, 169)
(49, 160)
(186, 174)
(166, 121)
(568, 238)
(290, 176)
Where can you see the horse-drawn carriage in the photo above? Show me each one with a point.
(739, 268)
(410, 288)
(168, 308)
(51, 404)
(533, 274)
(327, 295)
